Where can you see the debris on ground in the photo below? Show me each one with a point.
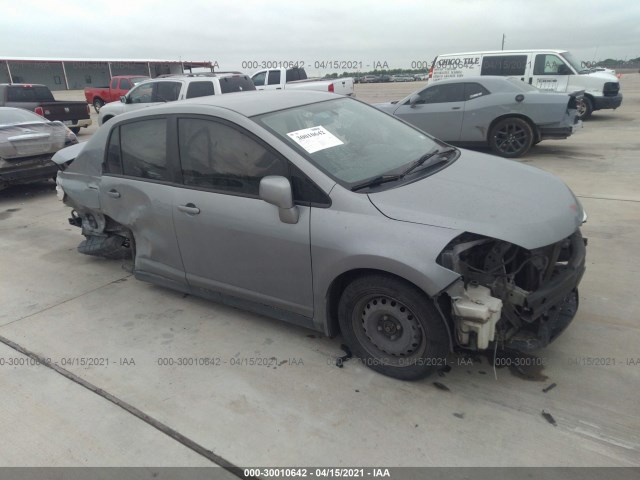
(546, 389)
(340, 360)
(458, 415)
(441, 386)
(549, 418)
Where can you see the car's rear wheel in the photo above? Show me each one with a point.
(585, 108)
(97, 104)
(393, 327)
(511, 137)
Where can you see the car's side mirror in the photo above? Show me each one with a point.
(123, 99)
(413, 101)
(276, 190)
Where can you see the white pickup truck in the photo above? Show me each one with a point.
(288, 78)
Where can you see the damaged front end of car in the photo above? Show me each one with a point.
(522, 299)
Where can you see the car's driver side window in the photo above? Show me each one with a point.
(217, 156)
(442, 94)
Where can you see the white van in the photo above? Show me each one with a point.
(554, 70)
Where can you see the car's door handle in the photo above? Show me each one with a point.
(455, 108)
(113, 193)
(189, 208)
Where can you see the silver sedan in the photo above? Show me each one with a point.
(325, 212)
(504, 113)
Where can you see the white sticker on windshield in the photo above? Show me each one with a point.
(314, 139)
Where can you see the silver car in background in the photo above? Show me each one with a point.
(504, 113)
(330, 214)
(27, 144)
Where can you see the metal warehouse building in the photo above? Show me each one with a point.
(77, 73)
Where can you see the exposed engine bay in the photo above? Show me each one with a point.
(522, 299)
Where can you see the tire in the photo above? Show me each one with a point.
(585, 108)
(112, 247)
(106, 119)
(75, 130)
(511, 137)
(393, 327)
(97, 104)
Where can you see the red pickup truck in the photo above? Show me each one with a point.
(120, 84)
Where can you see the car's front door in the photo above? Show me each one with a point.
(231, 241)
(439, 111)
(273, 80)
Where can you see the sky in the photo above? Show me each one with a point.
(245, 34)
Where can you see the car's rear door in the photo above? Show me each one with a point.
(439, 111)
(137, 190)
(232, 242)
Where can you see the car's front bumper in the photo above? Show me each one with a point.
(555, 305)
(603, 103)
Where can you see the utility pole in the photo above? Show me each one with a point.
(503, 37)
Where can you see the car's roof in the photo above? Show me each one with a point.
(254, 102)
(474, 78)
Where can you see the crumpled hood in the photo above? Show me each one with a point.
(488, 196)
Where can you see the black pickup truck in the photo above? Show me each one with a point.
(39, 99)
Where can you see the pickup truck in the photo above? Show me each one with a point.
(119, 85)
(289, 78)
(39, 99)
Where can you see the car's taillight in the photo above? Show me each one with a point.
(331, 88)
(39, 111)
(430, 73)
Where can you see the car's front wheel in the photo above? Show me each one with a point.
(511, 137)
(393, 327)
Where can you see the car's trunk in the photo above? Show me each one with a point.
(29, 139)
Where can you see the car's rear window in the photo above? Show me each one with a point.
(20, 93)
(236, 83)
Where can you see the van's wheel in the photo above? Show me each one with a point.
(97, 104)
(585, 108)
(393, 327)
(106, 119)
(511, 137)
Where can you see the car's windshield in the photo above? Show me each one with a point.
(572, 61)
(348, 140)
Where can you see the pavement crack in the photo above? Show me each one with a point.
(149, 420)
(65, 301)
(610, 199)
